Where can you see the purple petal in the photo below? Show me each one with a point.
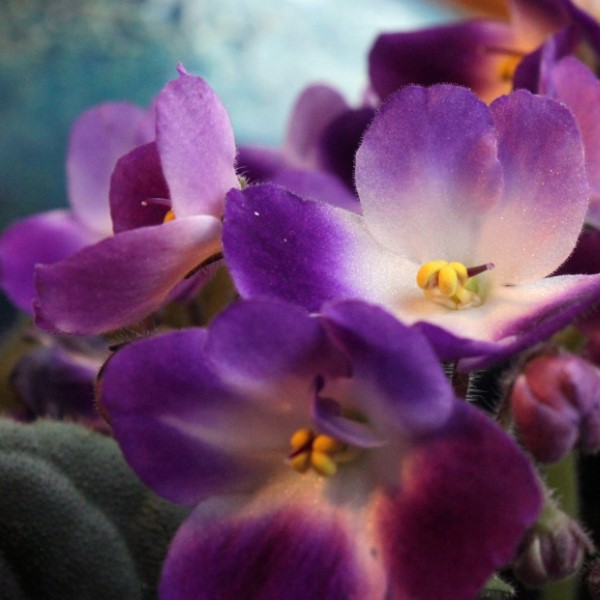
(585, 259)
(164, 401)
(99, 137)
(292, 552)
(44, 238)
(393, 366)
(278, 245)
(196, 147)
(466, 499)
(136, 183)
(422, 57)
(257, 164)
(426, 171)
(573, 84)
(314, 185)
(315, 108)
(535, 226)
(122, 279)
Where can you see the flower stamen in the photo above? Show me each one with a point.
(316, 451)
(451, 284)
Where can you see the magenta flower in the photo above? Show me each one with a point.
(497, 194)
(166, 201)
(98, 138)
(328, 458)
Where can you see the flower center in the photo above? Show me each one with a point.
(451, 284)
(314, 451)
(169, 216)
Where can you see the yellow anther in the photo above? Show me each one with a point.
(323, 464)
(326, 444)
(300, 462)
(447, 281)
(170, 216)
(428, 271)
(301, 438)
(508, 66)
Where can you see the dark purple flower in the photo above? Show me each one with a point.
(327, 457)
(98, 138)
(166, 202)
(474, 205)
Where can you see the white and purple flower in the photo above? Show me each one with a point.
(498, 194)
(327, 458)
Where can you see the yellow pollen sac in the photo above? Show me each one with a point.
(170, 216)
(318, 452)
(450, 284)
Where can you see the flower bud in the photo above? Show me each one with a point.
(552, 549)
(555, 403)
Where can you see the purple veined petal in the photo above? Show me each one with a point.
(186, 434)
(427, 172)
(290, 546)
(266, 346)
(44, 238)
(257, 164)
(340, 140)
(315, 185)
(124, 278)
(279, 245)
(196, 147)
(480, 49)
(460, 489)
(511, 319)
(139, 195)
(535, 226)
(573, 84)
(393, 366)
(99, 137)
(314, 109)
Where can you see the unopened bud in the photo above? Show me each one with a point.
(556, 406)
(552, 549)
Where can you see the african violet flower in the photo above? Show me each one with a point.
(316, 159)
(98, 138)
(328, 458)
(497, 194)
(166, 200)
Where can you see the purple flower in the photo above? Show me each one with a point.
(98, 138)
(328, 458)
(166, 201)
(498, 193)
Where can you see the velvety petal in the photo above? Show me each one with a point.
(176, 421)
(196, 146)
(392, 364)
(278, 245)
(124, 278)
(99, 137)
(480, 52)
(512, 318)
(545, 197)
(44, 238)
(136, 183)
(314, 109)
(315, 185)
(585, 259)
(427, 171)
(256, 163)
(572, 83)
(340, 140)
(467, 497)
(273, 550)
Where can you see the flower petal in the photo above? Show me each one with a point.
(258, 163)
(196, 146)
(427, 170)
(124, 278)
(535, 226)
(422, 57)
(279, 245)
(137, 179)
(467, 497)
(44, 238)
(99, 137)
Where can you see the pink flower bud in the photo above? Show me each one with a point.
(553, 548)
(556, 406)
